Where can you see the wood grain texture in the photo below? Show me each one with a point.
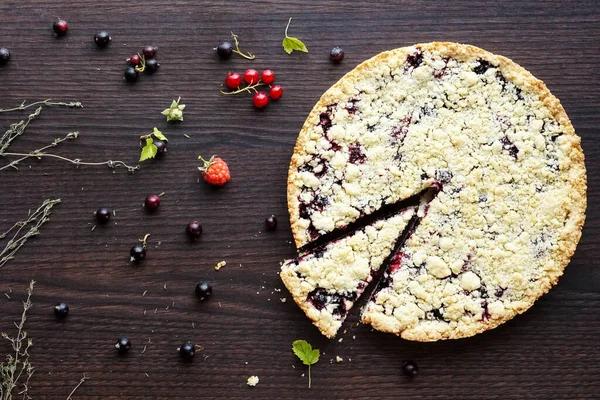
(550, 352)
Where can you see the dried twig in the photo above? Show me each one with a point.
(17, 370)
(83, 379)
(38, 218)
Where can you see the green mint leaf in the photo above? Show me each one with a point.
(159, 135)
(148, 151)
(304, 351)
(291, 43)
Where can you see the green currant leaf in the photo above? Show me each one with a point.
(149, 150)
(304, 351)
(292, 43)
(159, 135)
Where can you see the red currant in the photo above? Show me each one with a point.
(251, 76)
(267, 76)
(275, 92)
(260, 100)
(233, 80)
(134, 60)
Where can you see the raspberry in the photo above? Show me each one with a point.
(215, 171)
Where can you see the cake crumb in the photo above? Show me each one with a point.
(283, 299)
(338, 359)
(220, 265)
(252, 381)
(341, 339)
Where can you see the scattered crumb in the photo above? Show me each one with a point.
(146, 374)
(220, 265)
(257, 292)
(219, 304)
(349, 360)
(193, 325)
(253, 380)
(354, 337)
(114, 213)
(283, 299)
(161, 194)
(187, 136)
(145, 292)
(165, 286)
(341, 339)
(277, 290)
(144, 350)
(145, 313)
(246, 362)
(93, 227)
(338, 359)
(345, 331)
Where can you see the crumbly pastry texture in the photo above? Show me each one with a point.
(326, 282)
(494, 142)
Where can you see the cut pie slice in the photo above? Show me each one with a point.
(327, 281)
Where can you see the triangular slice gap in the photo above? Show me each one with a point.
(326, 281)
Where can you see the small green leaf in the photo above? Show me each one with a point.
(291, 43)
(305, 352)
(148, 151)
(159, 135)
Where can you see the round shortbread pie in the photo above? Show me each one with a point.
(505, 184)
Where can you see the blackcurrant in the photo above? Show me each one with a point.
(61, 310)
(103, 215)
(152, 201)
(193, 230)
(224, 50)
(203, 290)
(409, 368)
(131, 74)
(161, 147)
(271, 223)
(102, 39)
(337, 54)
(138, 253)
(149, 51)
(60, 27)
(187, 351)
(4, 55)
(152, 65)
(123, 345)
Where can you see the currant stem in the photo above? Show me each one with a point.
(237, 50)
(309, 365)
(144, 240)
(244, 89)
(288, 25)
(143, 62)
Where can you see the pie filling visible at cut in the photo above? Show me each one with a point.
(508, 176)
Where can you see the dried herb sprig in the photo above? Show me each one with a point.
(16, 130)
(17, 370)
(83, 379)
(34, 220)
(47, 102)
(39, 153)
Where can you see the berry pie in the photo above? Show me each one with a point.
(449, 178)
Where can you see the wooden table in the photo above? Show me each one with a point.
(550, 352)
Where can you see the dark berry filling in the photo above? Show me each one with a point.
(325, 121)
(321, 299)
(415, 59)
(483, 66)
(485, 316)
(356, 154)
(351, 107)
(509, 146)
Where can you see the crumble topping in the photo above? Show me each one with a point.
(500, 149)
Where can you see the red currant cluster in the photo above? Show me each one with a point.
(146, 62)
(254, 80)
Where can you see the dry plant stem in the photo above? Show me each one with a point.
(16, 130)
(47, 102)
(245, 88)
(237, 50)
(17, 365)
(38, 218)
(83, 379)
(39, 153)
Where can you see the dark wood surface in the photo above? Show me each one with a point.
(550, 352)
